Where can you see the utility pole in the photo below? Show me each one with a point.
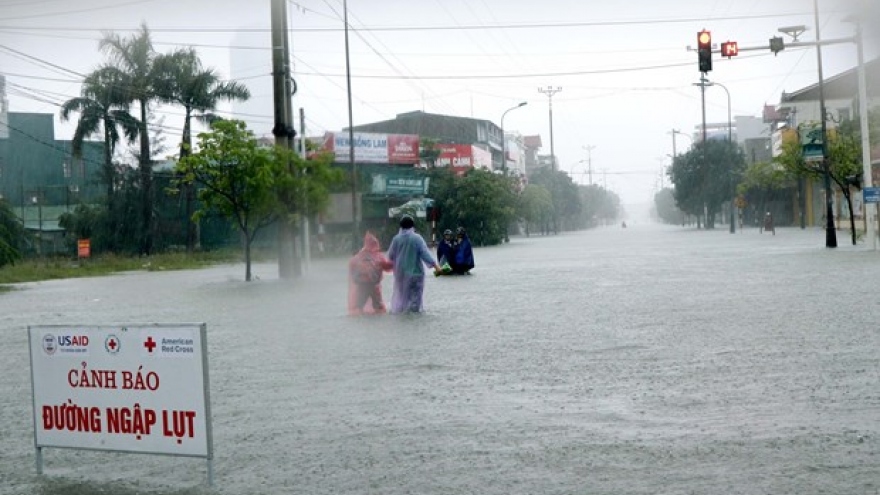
(550, 91)
(355, 224)
(590, 149)
(830, 234)
(283, 128)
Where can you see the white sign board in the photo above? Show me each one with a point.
(127, 388)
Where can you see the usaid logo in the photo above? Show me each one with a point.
(49, 344)
(73, 344)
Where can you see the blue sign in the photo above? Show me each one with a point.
(871, 194)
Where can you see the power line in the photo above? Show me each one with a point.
(468, 27)
(92, 9)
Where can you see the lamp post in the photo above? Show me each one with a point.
(674, 132)
(504, 139)
(550, 91)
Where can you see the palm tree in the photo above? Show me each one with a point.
(132, 57)
(102, 105)
(179, 78)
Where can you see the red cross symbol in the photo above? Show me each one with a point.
(112, 344)
(150, 344)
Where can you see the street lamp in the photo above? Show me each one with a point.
(550, 91)
(503, 139)
(674, 132)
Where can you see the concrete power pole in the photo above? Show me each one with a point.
(288, 264)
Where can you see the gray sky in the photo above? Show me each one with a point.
(624, 68)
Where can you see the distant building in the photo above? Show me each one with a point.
(531, 146)
(446, 129)
(38, 172)
(841, 102)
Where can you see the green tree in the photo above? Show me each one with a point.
(567, 204)
(763, 181)
(247, 183)
(535, 206)
(844, 162)
(664, 207)
(179, 78)
(12, 235)
(705, 176)
(132, 58)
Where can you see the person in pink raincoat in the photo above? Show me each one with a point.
(365, 278)
(410, 255)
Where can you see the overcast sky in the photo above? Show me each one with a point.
(624, 69)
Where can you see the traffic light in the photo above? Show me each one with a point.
(777, 44)
(729, 49)
(704, 50)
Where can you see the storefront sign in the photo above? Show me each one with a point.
(373, 148)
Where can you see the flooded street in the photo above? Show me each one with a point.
(615, 361)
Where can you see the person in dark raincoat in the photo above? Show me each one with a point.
(365, 278)
(446, 248)
(464, 253)
(410, 254)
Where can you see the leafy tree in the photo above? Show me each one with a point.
(564, 193)
(664, 206)
(252, 184)
(83, 223)
(482, 203)
(704, 177)
(762, 181)
(180, 78)
(535, 206)
(132, 58)
(844, 162)
(12, 235)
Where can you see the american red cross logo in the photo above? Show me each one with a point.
(150, 344)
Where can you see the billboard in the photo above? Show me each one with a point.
(462, 157)
(374, 148)
(128, 388)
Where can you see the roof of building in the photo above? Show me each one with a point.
(443, 127)
(840, 86)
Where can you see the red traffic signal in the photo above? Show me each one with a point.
(704, 50)
(729, 49)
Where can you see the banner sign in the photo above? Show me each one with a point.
(132, 388)
(374, 148)
(462, 157)
(407, 185)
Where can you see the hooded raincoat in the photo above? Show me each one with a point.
(369, 258)
(410, 255)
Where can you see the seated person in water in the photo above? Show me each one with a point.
(464, 253)
(446, 248)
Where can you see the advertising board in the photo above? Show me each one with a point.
(373, 147)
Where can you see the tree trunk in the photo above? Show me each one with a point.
(190, 188)
(247, 258)
(852, 220)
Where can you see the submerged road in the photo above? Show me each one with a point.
(614, 361)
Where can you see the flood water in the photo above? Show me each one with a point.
(615, 361)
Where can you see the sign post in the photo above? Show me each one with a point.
(140, 388)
